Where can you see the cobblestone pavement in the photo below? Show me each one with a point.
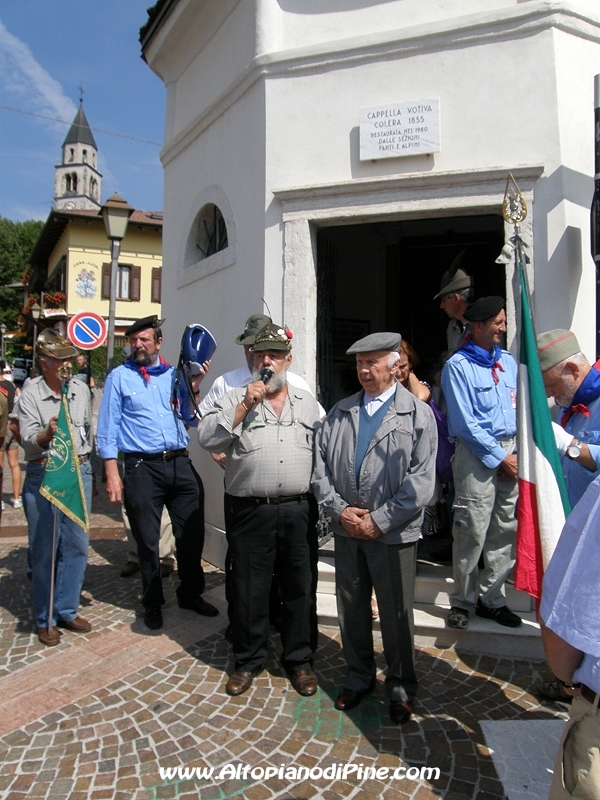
(97, 716)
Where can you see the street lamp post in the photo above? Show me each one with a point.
(115, 213)
(35, 312)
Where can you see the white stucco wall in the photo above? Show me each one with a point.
(263, 112)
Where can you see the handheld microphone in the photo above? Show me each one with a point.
(266, 374)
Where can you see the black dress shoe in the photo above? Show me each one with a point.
(198, 605)
(503, 615)
(400, 711)
(350, 698)
(240, 681)
(130, 568)
(304, 682)
(153, 617)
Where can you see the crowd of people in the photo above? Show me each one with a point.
(371, 463)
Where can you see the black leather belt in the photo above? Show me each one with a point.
(589, 694)
(277, 501)
(166, 455)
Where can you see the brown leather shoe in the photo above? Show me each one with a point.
(240, 681)
(49, 639)
(130, 568)
(350, 698)
(304, 682)
(77, 625)
(400, 711)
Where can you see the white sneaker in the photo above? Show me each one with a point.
(16, 502)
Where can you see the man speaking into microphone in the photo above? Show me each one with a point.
(266, 431)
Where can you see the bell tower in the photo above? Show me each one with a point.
(77, 182)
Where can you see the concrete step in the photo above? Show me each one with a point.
(482, 636)
(433, 584)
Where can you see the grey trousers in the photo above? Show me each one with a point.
(360, 566)
(484, 523)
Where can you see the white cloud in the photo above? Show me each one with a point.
(21, 75)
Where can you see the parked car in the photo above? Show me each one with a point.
(20, 369)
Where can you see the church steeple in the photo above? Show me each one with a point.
(77, 182)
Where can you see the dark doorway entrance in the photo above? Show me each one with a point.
(383, 276)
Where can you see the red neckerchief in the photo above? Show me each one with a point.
(496, 366)
(580, 408)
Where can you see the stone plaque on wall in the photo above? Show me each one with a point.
(408, 128)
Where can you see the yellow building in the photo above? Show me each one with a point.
(71, 265)
(71, 259)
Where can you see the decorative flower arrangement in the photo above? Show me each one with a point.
(56, 299)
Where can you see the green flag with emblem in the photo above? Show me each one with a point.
(62, 484)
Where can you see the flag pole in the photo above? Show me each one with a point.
(64, 374)
(52, 570)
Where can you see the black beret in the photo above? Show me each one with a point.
(141, 324)
(484, 308)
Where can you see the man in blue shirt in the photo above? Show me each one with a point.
(570, 618)
(575, 386)
(480, 386)
(137, 417)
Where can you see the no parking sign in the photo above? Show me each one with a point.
(87, 330)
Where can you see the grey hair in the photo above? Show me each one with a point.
(466, 295)
(576, 358)
(393, 358)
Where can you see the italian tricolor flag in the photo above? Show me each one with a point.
(543, 501)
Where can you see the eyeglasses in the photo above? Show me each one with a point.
(278, 421)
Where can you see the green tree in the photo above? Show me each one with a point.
(17, 240)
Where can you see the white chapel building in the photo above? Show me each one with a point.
(326, 160)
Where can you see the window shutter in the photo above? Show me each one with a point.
(105, 281)
(156, 284)
(134, 289)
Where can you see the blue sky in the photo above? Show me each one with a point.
(47, 49)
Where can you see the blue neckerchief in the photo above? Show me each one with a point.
(590, 387)
(586, 394)
(484, 358)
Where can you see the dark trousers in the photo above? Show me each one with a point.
(361, 565)
(147, 487)
(266, 540)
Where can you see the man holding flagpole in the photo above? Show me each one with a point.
(46, 435)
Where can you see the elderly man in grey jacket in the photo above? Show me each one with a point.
(374, 474)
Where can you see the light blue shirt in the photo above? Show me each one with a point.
(136, 416)
(571, 589)
(373, 404)
(586, 429)
(480, 411)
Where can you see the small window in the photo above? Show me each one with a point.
(84, 156)
(71, 154)
(156, 284)
(128, 282)
(211, 231)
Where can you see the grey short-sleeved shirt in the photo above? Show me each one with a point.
(38, 404)
(266, 456)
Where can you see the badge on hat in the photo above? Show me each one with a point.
(50, 343)
(272, 337)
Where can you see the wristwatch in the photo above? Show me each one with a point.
(574, 449)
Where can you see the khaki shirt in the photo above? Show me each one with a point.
(266, 456)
